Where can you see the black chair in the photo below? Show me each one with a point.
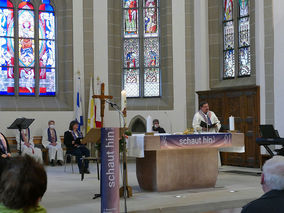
(66, 156)
(95, 159)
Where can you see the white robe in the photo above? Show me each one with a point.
(31, 151)
(198, 118)
(52, 150)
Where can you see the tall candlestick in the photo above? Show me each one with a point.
(123, 100)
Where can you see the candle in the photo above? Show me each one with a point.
(123, 100)
(232, 123)
(149, 123)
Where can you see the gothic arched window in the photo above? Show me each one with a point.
(7, 48)
(47, 73)
(229, 44)
(242, 47)
(26, 29)
(34, 71)
(141, 48)
(244, 39)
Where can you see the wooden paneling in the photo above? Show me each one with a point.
(242, 103)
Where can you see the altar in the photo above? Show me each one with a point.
(178, 162)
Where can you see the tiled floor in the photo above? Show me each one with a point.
(66, 193)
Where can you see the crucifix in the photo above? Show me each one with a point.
(103, 98)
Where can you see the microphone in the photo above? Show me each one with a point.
(111, 103)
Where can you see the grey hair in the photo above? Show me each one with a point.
(273, 171)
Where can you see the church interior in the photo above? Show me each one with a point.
(189, 90)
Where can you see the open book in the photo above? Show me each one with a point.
(204, 125)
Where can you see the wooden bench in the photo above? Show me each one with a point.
(37, 141)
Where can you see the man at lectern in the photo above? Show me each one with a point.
(27, 145)
(205, 120)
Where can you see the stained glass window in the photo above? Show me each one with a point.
(244, 39)
(29, 65)
(229, 52)
(141, 58)
(47, 76)
(240, 48)
(6, 48)
(26, 43)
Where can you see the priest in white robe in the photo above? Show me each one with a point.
(27, 145)
(51, 141)
(205, 120)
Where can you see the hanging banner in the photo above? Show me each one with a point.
(110, 170)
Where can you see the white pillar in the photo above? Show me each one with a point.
(78, 47)
(201, 49)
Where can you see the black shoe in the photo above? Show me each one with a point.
(86, 171)
(52, 163)
(59, 163)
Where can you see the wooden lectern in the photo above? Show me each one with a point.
(93, 136)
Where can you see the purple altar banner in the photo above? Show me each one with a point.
(110, 170)
(196, 141)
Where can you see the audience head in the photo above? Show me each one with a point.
(273, 174)
(204, 107)
(156, 123)
(22, 183)
(51, 124)
(74, 125)
(3, 164)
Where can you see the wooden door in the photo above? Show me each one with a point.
(243, 104)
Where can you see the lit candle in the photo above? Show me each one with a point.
(123, 100)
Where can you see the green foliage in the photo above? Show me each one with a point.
(121, 141)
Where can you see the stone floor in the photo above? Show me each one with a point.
(67, 194)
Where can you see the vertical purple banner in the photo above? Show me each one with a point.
(110, 170)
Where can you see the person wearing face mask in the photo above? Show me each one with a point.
(52, 142)
(205, 120)
(156, 127)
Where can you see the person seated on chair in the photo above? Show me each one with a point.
(52, 142)
(72, 140)
(22, 185)
(156, 127)
(4, 147)
(272, 181)
(25, 141)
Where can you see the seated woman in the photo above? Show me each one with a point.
(72, 141)
(22, 185)
(27, 144)
(4, 147)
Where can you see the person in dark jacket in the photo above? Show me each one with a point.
(4, 147)
(72, 140)
(156, 127)
(272, 181)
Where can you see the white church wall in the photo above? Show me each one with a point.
(259, 49)
(78, 48)
(174, 120)
(201, 46)
(260, 62)
(278, 16)
(62, 118)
